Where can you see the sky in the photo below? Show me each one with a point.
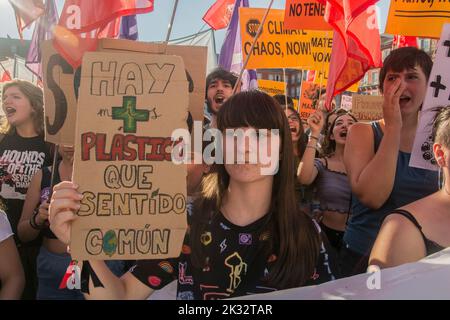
(153, 26)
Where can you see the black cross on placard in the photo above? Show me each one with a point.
(447, 44)
(437, 85)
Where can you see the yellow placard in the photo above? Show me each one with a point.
(321, 77)
(305, 14)
(281, 48)
(418, 18)
(273, 88)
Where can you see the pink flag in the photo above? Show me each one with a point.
(219, 14)
(356, 43)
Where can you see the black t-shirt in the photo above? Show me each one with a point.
(20, 159)
(234, 265)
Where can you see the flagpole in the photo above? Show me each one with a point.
(15, 66)
(54, 167)
(285, 89)
(300, 93)
(258, 33)
(169, 31)
(3, 67)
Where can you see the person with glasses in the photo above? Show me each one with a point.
(299, 139)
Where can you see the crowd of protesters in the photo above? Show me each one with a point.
(344, 197)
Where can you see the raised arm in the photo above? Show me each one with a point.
(65, 202)
(372, 175)
(307, 171)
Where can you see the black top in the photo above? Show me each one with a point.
(20, 159)
(46, 193)
(431, 246)
(235, 264)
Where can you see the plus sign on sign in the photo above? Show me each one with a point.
(134, 196)
(438, 95)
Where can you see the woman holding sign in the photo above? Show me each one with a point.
(377, 156)
(328, 173)
(421, 228)
(23, 152)
(246, 233)
(53, 259)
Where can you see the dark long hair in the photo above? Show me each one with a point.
(295, 239)
(328, 145)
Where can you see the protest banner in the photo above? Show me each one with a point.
(273, 88)
(438, 95)
(305, 14)
(134, 196)
(418, 18)
(422, 280)
(281, 48)
(61, 82)
(367, 108)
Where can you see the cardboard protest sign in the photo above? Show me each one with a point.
(367, 108)
(305, 14)
(273, 88)
(438, 95)
(280, 48)
(418, 18)
(194, 57)
(61, 82)
(134, 203)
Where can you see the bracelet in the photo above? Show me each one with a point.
(315, 148)
(33, 222)
(314, 137)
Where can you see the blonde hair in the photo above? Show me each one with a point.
(35, 96)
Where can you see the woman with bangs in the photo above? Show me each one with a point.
(328, 173)
(23, 152)
(246, 233)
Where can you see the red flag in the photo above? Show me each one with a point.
(404, 41)
(311, 75)
(26, 12)
(83, 22)
(219, 14)
(356, 43)
(6, 76)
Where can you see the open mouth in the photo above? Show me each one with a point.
(293, 129)
(343, 134)
(10, 111)
(219, 99)
(404, 99)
